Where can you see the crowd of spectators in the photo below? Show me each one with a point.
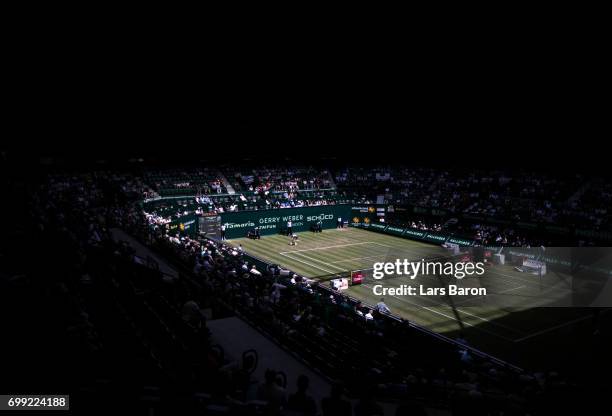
(200, 181)
(487, 206)
(405, 185)
(122, 312)
(344, 337)
(290, 180)
(164, 210)
(270, 179)
(118, 326)
(571, 200)
(484, 234)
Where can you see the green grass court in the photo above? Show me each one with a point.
(506, 322)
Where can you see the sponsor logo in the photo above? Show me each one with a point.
(268, 220)
(320, 217)
(435, 237)
(231, 225)
(415, 233)
(293, 218)
(460, 242)
(267, 227)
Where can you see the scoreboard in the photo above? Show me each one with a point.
(210, 225)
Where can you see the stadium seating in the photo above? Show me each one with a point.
(177, 182)
(124, 313)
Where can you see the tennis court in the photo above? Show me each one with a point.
(510, 314)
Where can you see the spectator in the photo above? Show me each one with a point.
(301, 402)
(191, 313)
(381, 307)
(275, 395)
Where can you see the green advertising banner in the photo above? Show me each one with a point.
(414, 234)
(185, 225)
(366, 214)
(274, 221)
(395, 230)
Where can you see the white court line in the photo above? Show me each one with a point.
(495, 293)
(447, 316)
(491, 322)
(319, 261)
(325, 248)
(305, 262)
(383, 245)
(405, 300)
(510, 290)
(357, 258)
(401, 249)
(552, 328)
(423, 297)
(438, 304)
(536, 283)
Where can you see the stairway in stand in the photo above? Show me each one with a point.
(228, 186)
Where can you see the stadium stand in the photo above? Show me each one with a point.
(151, 323)
(489, 206)
(176, 182)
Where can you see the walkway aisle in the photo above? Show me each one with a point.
(142, 251)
